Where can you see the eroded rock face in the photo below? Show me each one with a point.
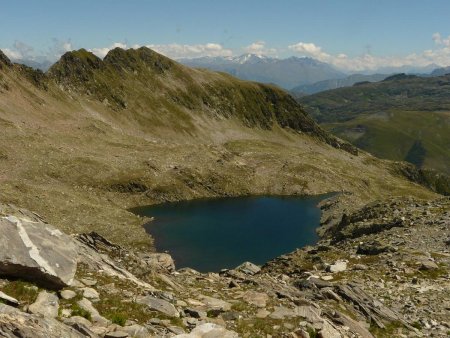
(14, 323)
(36, 251)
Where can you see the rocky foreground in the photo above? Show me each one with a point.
(384, 272)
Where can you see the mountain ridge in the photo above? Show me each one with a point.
(106, 79)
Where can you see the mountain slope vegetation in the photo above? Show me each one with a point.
(91, 138)
(403, 117)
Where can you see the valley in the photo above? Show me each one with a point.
(402, 118)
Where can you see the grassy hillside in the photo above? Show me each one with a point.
(401, 118)
(135, 79)
(91, 138)
(400, 92)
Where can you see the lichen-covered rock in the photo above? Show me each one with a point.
(36, 251)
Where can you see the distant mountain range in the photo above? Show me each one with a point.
(43, 65)
(286, 73)
(440, 71)
(348, 81)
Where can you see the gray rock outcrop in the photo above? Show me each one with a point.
(15, 323)
(36, 251)
(46, 304)
(159, 305)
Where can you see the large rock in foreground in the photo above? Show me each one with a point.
(33, 250)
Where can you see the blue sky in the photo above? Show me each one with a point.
(343, 33)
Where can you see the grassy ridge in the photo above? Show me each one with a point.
(393, 135)
(141, 80)
(400, 118)
(399, 92)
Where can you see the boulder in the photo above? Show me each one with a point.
(282, 312)
(160, 261)
(248, 268)
(67, 294)
(77, 320)
(15, 323)
(46, 304)
(36, 251)
(428, 265)
(360, 267)
(82, 325)
(209, 330)
(88, 281)
(338, 266)
(258, 299)
(159, 305)
(212, 303)
(90, 293)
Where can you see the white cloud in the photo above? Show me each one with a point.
(173, 50)
(58, 48)
(23, 51)
(19, 50)
(309, 49)
(437, 38)
(177, 51)
(259, 48)
(101, 52)
(367, 62)
(12, 54)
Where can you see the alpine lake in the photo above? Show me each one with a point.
(212, 234)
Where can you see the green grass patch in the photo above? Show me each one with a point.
(390, 330)
(24, 292)
(79, 311)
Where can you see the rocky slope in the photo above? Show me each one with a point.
(383, 273)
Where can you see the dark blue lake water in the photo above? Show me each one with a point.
(209, 235)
